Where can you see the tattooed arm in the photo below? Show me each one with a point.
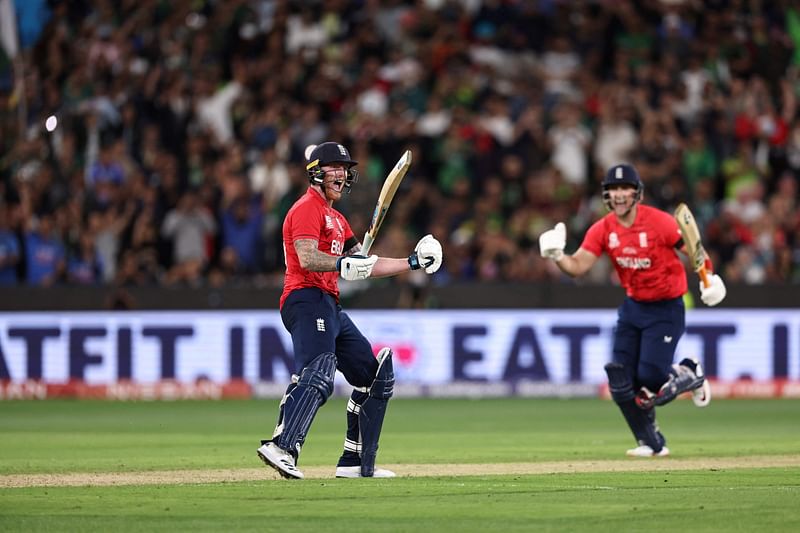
(313, 259)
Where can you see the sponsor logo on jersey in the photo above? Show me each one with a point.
(635, 263)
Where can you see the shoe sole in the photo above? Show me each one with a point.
(647, 452)
(651, 456)
(379, 473)
(275, 467)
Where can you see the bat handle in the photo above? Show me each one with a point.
(367, 244)
(703, 276)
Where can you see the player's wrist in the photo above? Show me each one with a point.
(339, 263)
(413, 261)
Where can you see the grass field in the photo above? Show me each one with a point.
(470, 465)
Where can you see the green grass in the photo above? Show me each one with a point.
(96, 436)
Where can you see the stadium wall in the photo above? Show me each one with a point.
(378, 295)
(479, 352)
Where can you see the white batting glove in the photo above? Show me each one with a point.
(427, 254)
(553, 241)
(715, 292)
(355, 267)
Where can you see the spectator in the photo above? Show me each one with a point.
(242, 226)
(570, 141)
(188, 226)
(44, 253)
(84, 266)
(195, 96)
(9, 250)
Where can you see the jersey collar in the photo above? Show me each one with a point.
(318, 196)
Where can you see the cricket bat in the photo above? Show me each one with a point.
(385, 198)
(692, 240)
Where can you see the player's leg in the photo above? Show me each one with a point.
(641, 422)
(350, 461)
(657, 373)
(373, 381)
(623, 385)
(373, 411)
(299, 407)
(312, 320)
(267, 447)
(686, 376)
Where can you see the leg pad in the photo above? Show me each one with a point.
(301, 404)
(640, 421)
(373, 411)
(684, 377)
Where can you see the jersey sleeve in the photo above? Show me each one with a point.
(594, 238)
(668, 226)
(305, 223)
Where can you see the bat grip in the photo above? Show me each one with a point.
(703, 276)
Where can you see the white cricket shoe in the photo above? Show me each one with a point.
(647, 451)
(701, 396)
(280, 460)
(355, 471)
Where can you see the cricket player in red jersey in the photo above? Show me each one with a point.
(642, 243)
(320, 246)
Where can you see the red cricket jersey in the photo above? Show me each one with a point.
(312, 218)
(643, 255)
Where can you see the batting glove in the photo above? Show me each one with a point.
(715, 292)
(355, 267)
(427, 254)
(553, 241)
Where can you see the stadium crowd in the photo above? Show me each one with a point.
(145, 142)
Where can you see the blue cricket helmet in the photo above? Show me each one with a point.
(623, 174)
(325, 154)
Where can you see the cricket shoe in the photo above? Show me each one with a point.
(647, 451)
(280, 460)
(701, 395)
(355, 471)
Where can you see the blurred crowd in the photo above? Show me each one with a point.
(152, 142)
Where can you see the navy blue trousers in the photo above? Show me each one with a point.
(646, 337)
(318, 325)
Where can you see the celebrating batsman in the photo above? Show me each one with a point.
(641, 242)
(319, 247)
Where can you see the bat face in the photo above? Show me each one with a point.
(689, 231)
(390, 186)
(691, 238)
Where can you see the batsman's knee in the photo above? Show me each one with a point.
(620, 384)
(319, 374)
(383, 385)
(300, 405)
